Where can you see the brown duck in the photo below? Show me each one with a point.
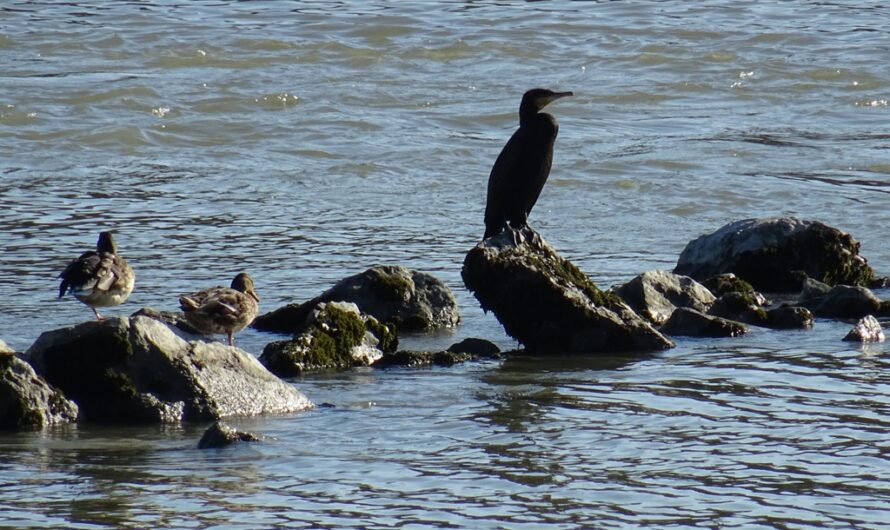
(99, 278)
(222, 309)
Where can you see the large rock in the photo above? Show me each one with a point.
(655, 295)
(26, 400)
(409, 299)
(137, 370)
(334, 336)
(550, 306)
(776, 254)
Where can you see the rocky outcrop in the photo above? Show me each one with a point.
(691, 323)
(868, 329)
(409, 299)
(26, 400)
(841, 301)
(777, 254)
(221, 435)
(656, 294)
(137, 370)
(334, 336)
(550, 306)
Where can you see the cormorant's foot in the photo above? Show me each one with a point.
(533, 238)
(517, 236)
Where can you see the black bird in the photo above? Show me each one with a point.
(522, 168)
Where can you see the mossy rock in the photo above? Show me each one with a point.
(775, 254)
(549, 305)
(336, 336)
(408, 299)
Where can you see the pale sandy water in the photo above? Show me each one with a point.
(306, 141)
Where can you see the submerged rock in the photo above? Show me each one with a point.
(656, 294)
(691, 323)
(776, 254)
(477, 347)
(548, 305)
(840, 301)
(26, 400)
(409, 299)
(128, 370)
(417, 359)
(334, 336)
(221, 435)
(868, 329)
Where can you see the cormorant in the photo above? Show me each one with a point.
(99, 278)
(522, 168)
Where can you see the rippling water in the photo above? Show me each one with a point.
(306, 141)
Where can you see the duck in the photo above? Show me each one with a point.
(99, 278)
(222, 309)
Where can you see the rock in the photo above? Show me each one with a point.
(173, 319)
(721, 284)
(221, 435)
(789, 317)
(409, 299)
(4, 348)
(416, 359)
(868, 329)
(334, 336)
(743, 308)
(655, 295)
(548, 304)
(840, 301)
(137, 369)
(774, 254)
(688, 322)
(475, 347)
(26, 400)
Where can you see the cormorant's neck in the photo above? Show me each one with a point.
(527, 112)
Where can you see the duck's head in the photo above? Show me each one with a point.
(106, 243)
(244, 283)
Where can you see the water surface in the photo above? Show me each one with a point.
(306, 141)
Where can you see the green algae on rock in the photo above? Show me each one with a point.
(334, 336)
(409, 299)
(550, 306)
(776, 254)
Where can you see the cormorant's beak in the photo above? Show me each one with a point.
(557, 95)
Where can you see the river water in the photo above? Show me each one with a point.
(306, 141)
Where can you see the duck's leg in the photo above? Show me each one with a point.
(98, 316)
(231, 338)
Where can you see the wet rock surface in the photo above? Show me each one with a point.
(415, 359)
(222, 435)
(550, 306)
(777, 254)
(656, 294)
(691, 323)
(334, 336)
(26, 400)
(474, 346)
(868, 329)
(409, 299)
(134, 370)
(841, 301)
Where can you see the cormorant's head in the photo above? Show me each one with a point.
(106, 243)
(244, 283)
(537, 98)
